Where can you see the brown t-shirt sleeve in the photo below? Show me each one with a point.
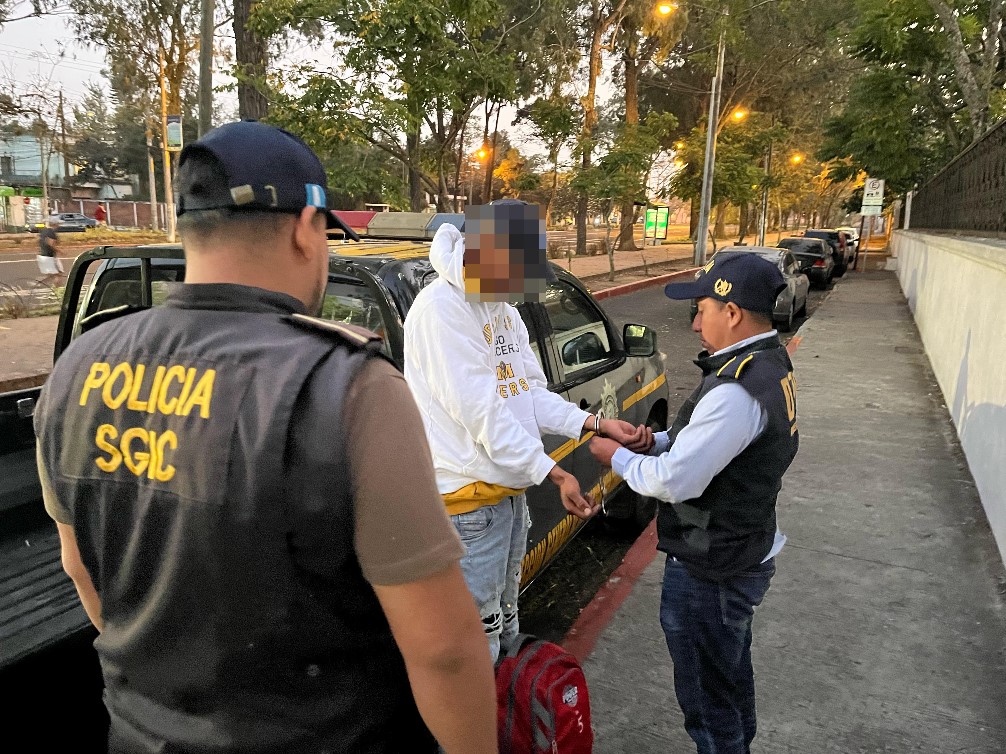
(403, 532)
(56, 509)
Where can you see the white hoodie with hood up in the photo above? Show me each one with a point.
(481, 392)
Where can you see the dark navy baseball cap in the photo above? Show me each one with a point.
(267, 170)
(744, 278)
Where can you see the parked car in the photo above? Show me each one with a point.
(852, 234)
(815, 257)
(585, 358)
(69, 222)
(791, 301)
(845, 255)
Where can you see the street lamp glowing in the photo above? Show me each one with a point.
(739, 114)
(796, 159)
(666, 9)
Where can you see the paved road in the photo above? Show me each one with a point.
(552, 603)
(19, 268)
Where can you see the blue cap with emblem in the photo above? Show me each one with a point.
(267, 170)
(743, 278)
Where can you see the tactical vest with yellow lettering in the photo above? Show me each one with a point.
(731, 526)
(236, 617)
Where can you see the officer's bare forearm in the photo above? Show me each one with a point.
(457, 698)
(78, 574)
(439, 632)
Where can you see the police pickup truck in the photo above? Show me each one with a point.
(45, 653)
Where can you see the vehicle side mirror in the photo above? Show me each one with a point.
(583, 349)
(639, 340)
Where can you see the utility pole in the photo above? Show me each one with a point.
(206, 68)
(153, 179)
(62, 128)
(712, 125)
(169, 195)
(763, 219)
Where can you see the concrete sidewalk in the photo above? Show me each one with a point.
(884, 630)
(26, 351)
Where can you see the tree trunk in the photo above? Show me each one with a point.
(442, 189)
(555, 187)
(252, 58)
(588, 102)
(488, 188)
(742, 223)
(417, 201)
(457, 168)
(626, 240)
(720, 228)
(609, 247)
(754, 217)
(693, 218)
(976, 98)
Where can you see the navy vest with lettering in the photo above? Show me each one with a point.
(236, 617)
(731, 526)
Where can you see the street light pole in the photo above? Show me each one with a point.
(707, 169)
(763, 219)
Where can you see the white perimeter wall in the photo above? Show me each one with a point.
(956, 287)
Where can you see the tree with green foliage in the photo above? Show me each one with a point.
(409, 66)
(934, 78)
(619, 177)
(135, 34)
(554, 120)
(644, 35)
(94, 150)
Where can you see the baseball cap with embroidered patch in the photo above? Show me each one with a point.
(744, 278)
(267, 168)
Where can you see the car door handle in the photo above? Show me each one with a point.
(26, 408)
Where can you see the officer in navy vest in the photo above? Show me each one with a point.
(214, 466)
(718, 470)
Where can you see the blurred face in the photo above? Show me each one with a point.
(716, 323)
(504, 253)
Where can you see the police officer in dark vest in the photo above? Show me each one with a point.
(218, 470)
(719, 470)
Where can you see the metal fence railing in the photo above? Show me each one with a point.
(969, 194)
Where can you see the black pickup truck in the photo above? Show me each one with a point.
(47, 664)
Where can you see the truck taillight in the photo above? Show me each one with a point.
(819, 263)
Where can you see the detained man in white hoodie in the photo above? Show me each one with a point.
(485, 401)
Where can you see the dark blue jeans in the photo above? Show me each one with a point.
(708, 630)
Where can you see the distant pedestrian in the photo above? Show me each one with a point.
(719, 470)
(485, 400)
(100, 215)
(48, 260)
(260, 581)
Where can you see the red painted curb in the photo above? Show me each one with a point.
(794, 343)
(618, 290)
(583, 636)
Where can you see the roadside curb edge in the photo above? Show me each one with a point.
(638, 285)
(595, 617)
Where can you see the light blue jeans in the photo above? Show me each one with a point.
(495, 539)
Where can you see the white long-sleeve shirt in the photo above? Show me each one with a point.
(724, 422)
(480, 389)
